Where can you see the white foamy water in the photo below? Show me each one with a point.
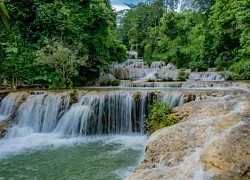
(7, 105)
(2, 117)
(38, 141)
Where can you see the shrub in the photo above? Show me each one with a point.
(109, 82)
(167, 80)
(160, 116)
(241, 70)
(137, 96)
(151, 80)
(182, 76)
(198, 66)
(227, 75)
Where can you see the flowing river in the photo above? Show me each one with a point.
(47, 156)
(99, 136)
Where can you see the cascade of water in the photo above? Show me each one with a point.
(206, 76)
(29, 117)
(150, 75)
(129, 73)
(157, 64)
(167, 73)
(142, 112)
(188, 84)
(110, 113)
(115, 112)
(8, 104)
(51, 114)
(170, 66)
(174, 99)
(98, 114)
(131, 63)
(39, 113)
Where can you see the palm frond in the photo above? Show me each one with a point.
(5, 15)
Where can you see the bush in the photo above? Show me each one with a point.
(160, 117)
(227, 75)
(198, 66)
(109, 82)
(167, 80)
(241, 70)
(182, 76)
(151, 80)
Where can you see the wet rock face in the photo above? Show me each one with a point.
(3, 128)
(211, 142)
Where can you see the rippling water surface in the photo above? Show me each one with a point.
(47, 156)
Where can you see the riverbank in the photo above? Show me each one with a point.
(212, 141)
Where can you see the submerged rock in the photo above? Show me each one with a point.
(212, 141)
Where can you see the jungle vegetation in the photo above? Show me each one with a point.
(77, 34)
(82, 37)
(196, 34)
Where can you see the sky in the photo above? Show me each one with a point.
(119, 4)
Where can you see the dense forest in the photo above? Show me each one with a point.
(196, 34)
(65, 43)
(57, 42)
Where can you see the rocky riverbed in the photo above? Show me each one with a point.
(212, 141)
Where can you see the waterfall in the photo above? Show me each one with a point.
(104, 112)
(131, 63)
(157, 64)
(39, 113)
(8, 105)
(167, 73)
(206, 76)
(129, 73)
(187, 84)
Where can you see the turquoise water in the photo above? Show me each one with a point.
(44, 156)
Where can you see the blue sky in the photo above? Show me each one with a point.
(119, 4)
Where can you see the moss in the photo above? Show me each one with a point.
(160, 116)
(109, 82)
(73, 97)
(137, 96)
(182, 76)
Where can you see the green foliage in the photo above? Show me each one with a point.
(198, 66)
(4, 15)
(241, 70)
(167, 80)
(137, 96)
(73, 96)
(151, 80)
(63, 60)
(88, 26)
(182, 76)
(160, 116)
(207, 33)
(109, 82)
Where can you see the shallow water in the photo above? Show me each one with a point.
(47, 156)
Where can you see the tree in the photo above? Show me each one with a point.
(166, 5)
(88, 24)
(4, 15)
(62, 59)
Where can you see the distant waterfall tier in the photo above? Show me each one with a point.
(187, 84)
(104, 112)
(206, 76)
